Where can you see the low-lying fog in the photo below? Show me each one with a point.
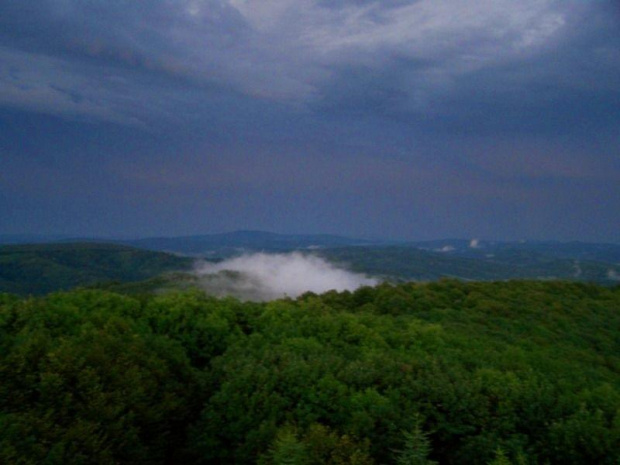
(262, 276)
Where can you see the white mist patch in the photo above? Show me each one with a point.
(264, 276)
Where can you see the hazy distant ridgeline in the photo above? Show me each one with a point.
(597, 252)
(234, 243)
(424, 260)
(237, 242)
(257, 265)
(409, 263)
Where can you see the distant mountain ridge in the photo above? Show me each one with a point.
(231, 243)
(412, 263)
(235, 242)
(45, 267)
(604, 252)
(207, 243)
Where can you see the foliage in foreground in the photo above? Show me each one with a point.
(448, 373)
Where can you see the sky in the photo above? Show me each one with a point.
(396, 119)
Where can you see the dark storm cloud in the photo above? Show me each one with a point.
(436, 117)
(380, 56)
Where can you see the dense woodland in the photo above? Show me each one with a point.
(445, 372)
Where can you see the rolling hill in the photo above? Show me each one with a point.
(42, 268)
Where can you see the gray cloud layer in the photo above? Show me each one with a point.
(93, 58)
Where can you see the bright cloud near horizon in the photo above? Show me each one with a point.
(404, 119)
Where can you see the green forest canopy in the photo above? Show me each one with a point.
(446, 372)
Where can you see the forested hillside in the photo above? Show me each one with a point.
(447, 372)
(42, 268)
